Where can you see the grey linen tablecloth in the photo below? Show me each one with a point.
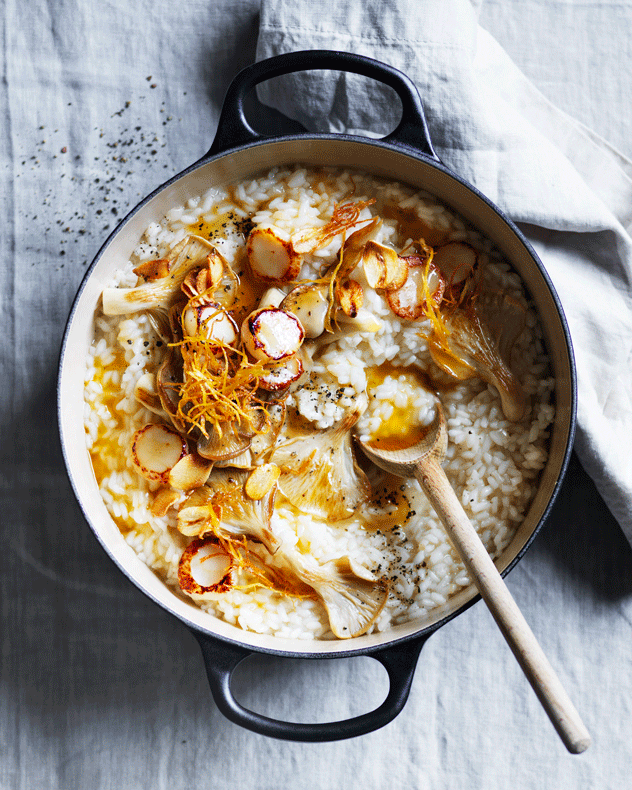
(100, 689)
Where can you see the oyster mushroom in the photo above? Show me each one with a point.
(155, 450)
(205, 570)
(146, 393)
(505, 317)
(319, 472)
(242, 461)
(352, 597)
(223, 443)
(263, 443)
(240, 515)
(456, 261)
(271, 334)
(477, 343)
(353, 602)
(186, 255)
(160, 323)
(223, 446)
(168, 378)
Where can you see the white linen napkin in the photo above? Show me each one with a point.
(570, 191)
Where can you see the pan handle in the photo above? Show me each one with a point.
(221, 660)
(234, 130)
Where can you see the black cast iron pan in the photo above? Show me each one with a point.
(238, 152)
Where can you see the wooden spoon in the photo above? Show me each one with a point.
(423, 461)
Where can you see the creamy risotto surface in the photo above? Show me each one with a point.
(254, 333)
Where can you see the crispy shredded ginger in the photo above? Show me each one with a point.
(219, 387)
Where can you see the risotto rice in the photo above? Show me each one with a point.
(392, 536)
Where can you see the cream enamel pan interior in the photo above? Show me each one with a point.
(375, 159)
(407, 156)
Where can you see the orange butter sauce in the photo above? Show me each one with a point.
(106, 445)
(390, 505)
(399, 431)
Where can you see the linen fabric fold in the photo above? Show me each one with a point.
(569, 190)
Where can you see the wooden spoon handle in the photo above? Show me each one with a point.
(508, 616)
